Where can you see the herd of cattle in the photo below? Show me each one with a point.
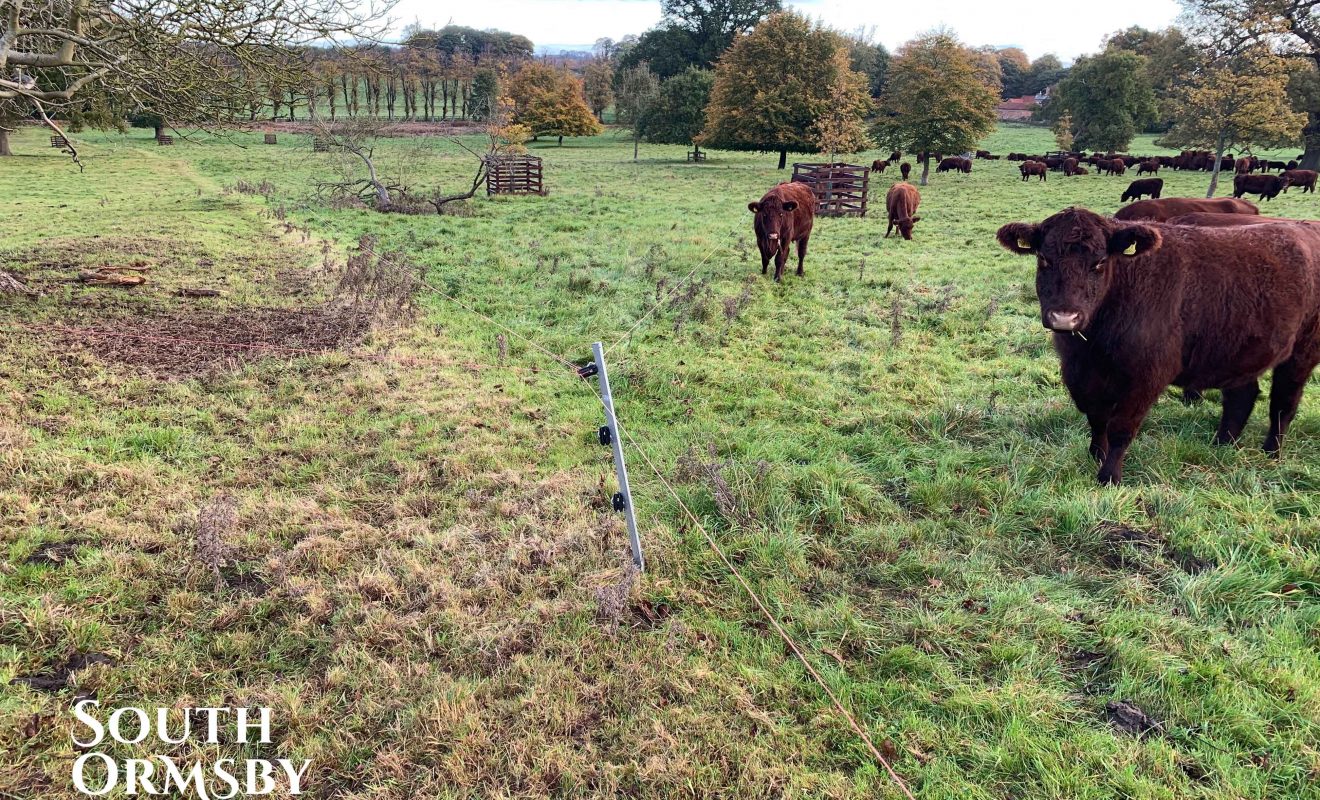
(1199, 294)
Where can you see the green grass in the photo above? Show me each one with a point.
(883, 447)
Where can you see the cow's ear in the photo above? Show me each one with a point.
(1019, 237)
(915, 220)
(790, 205)
(753, 207)
(1134, 240)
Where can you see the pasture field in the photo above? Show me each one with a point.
(424, 580)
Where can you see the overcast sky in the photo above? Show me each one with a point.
(1067, 28)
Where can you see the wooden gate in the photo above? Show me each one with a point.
(840, 189)
(514, 175)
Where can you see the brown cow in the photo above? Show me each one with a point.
(902, 202)
(1161, 210)
(955, 163)
(1037, 168)
(1210, 220)
(896, 155)
(784, 216)
(1150, 186)
(879, 165)
(1159, 304)
(1116, 167)
(1265, 187)
(1079, 170)
(1151, 165)
(906, 169)
(1069, 166)
(1304, 178)
(1242, 166)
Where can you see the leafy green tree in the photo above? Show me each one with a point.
(766, 110)
(695, 33)
(935, 101)
(1109, 98)
(485, 92)
(1014, 67)
(1044, 73)
(1169, 57)
(666, 50)
(871, 59)
(596, 85)
(636, 89)
(1238, 101)
(679, 111)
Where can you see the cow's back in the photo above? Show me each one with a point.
(1163, 209)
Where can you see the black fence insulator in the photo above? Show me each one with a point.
(606, 437)
(589, 371)
(618, 501)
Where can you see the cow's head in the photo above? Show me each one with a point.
(905, 226)
(1076, 253)
(772, 218)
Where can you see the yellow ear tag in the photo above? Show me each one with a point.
(1131, 250)
(1023, 243)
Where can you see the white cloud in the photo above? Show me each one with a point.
(1067, 29)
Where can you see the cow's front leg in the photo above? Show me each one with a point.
(781, 256)
(1121, 430)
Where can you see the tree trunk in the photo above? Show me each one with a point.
(561, 141)
(636, 139)
(1214, 174)
(1311, 136)
(4, 143)
(925, 168)
(783, 158)
(160, 131)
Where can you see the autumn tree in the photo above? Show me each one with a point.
(1236, 101)
(597, 82)
(840, 128)
(1063, 132)
(753, 107)
(1014, 67)
(637, 88)
(679, 111)
(549, 102)
(935, 101)
(1109, 98)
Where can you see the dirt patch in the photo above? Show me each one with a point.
(1126, 716)
(57, 680)
(65, 257)
(53, 554)
(188, 342)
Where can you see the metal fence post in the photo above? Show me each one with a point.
(624, 497)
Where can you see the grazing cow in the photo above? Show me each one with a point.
(1029, 168)
(1242, 166)
(879, 165)
(784, 216)
(955, 163)
(1265, 187)
(1116, 167)
(1150, 186)
(1304, 178)
(1150, 165)
(1157, 305)
(1279, 165)
(1162, 210)
(1291, 165)
(1069, 166)
(902, 202)
(896, 155)
(906, 169)
(982, 153)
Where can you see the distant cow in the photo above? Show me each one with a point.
(1081, 171)
(955, 163)
(1069, 166)
(1266, 187)
(1029, 168)
(1242, 166)
(896, 155)
(1304, 178)
(879, 165)
(784, 216)
(901, 203)
(1161, 210)
(1144, 186)
(1156, 305)
(1116, 167)
(906, 169)
(1150, 165)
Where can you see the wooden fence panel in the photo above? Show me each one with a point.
(514, 175)
(840, 189)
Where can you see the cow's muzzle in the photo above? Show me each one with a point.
(1063, 320)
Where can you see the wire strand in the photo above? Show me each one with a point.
(765, 611)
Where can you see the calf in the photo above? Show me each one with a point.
(1150, 186)
(901, 203)
(879, 165)
(906, 169)
(784, 216)
(1081, 171)
(1151, 166)
(1304, 178)
(1157, 305)
(1161, 210)
(1266, 187)
(1029, 168)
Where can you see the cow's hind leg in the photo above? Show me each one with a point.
(1290, 379)
(802, 254)
(1238, 403)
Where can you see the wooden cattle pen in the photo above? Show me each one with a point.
(320, 146)
(696, 155)
(59, 141)
(840, 189)
(518, 174)
(271, 139)
(164, 140)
